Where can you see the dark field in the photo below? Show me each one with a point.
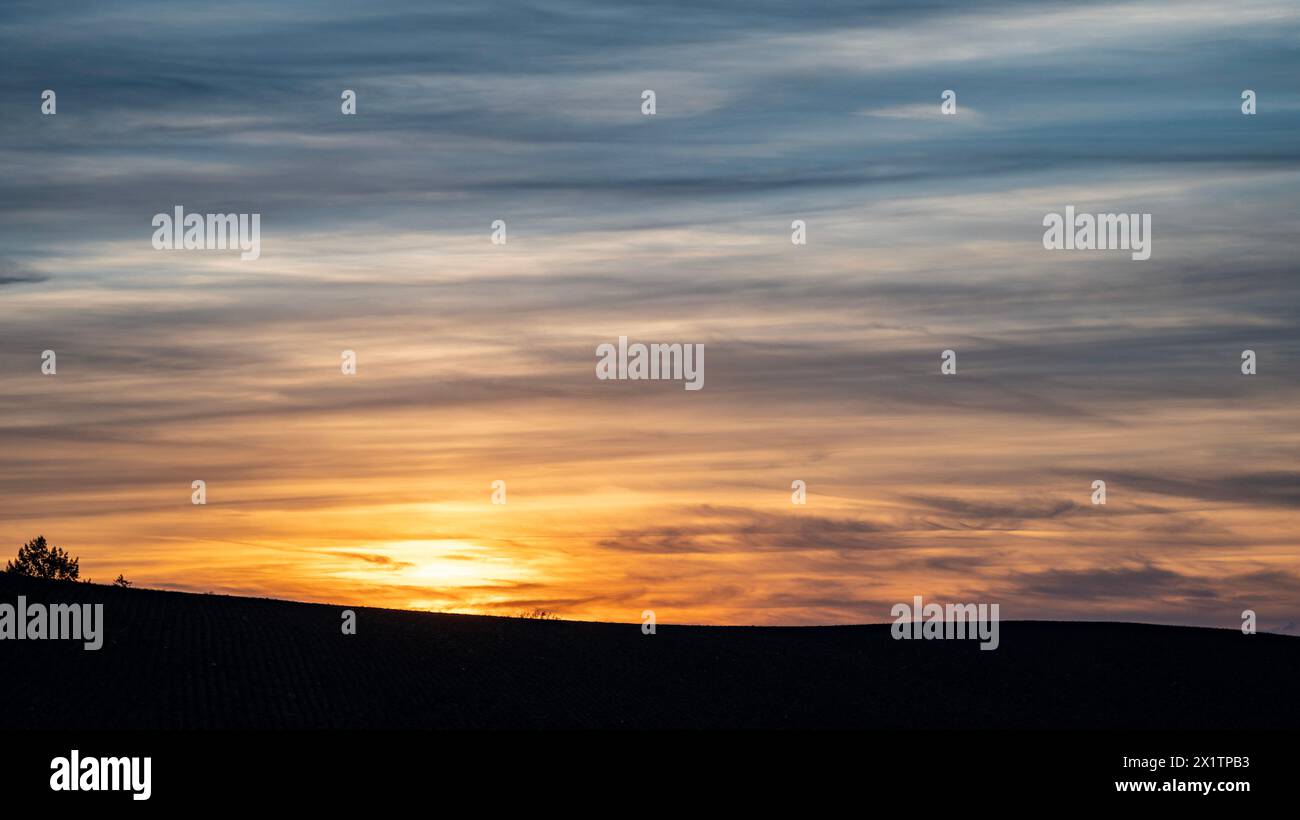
(176, 660)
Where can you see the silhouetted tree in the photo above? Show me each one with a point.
(121, 582)
(38, 560)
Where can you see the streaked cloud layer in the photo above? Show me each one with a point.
(476, 361)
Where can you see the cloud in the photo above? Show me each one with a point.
(921, 111)
(1273, 488)
(13, 274)
(475, 360)
(382, 560)
(1125, 583)
(723, 529)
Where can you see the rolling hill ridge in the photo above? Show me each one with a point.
(175, 660)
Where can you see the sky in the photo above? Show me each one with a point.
(476, 361)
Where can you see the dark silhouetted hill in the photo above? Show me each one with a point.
(178, 660)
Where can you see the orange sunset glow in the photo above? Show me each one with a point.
(621, 495)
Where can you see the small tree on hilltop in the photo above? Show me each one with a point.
(38, 560)
(539, 614)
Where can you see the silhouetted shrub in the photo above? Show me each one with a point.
(39, 560)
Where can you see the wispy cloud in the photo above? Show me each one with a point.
(475, 360)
